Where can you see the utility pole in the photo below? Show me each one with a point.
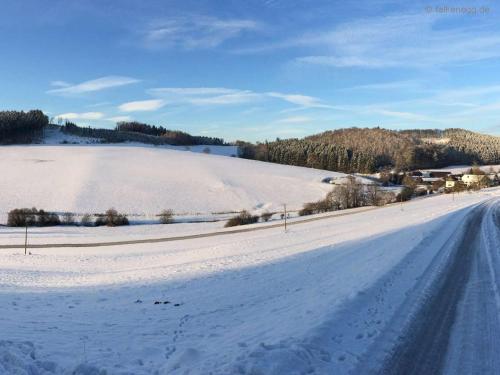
(285, 215)
(26, 238)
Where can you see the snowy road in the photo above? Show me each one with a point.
(456, 329)
(344, 295)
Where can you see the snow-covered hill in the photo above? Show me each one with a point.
(53, 135)
(145, 180)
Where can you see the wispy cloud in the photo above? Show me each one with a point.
(417, 40)
(300, 100)
(294, 120)
(60, 84)
(413, 85)
(142, 105)
(91, 86)
(404, 115)
(204, 96)
(195, 31)
(119, 118)
(81, 116)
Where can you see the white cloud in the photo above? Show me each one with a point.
(234, 98)
(300, 100)
(193, 32)
(92, 85)
(60, 84)
(81, 116)
(142, 105)
(404, 115)
(294, 120)
(204, 96)
(119, 118)
(192, 91)
(407, 40)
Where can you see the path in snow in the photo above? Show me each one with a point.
(456, 329)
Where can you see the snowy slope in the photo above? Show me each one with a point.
(145, 180)
(54, 136)
(311, 300)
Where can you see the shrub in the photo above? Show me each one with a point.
(266, 216)
(68, 218)
(47, 219)
(320, 206)
(242, 219)
(166, 217)
(86, 220)
(112, 219)
(405, 194)
(21, 217)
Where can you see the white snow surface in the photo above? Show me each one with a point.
(310, 300)
(145, 180)
(54, 136)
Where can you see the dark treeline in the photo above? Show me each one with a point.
(427, 148)
(177, 137)
(138, 132)
(21, 127)
(368, 150)
(309, 154)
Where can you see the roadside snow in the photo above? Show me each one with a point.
(309, 300)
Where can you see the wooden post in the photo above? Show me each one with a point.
(285, 215)
(26, 238)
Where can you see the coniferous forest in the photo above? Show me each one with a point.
(366, 150)
(21, 127)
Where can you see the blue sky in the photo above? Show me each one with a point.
(255, 69)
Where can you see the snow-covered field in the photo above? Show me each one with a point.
(455, 169)
(311, 300)
(145, 180)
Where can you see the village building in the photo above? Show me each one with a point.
(475, 179)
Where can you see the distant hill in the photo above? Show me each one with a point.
(370, 149)
(19, 127)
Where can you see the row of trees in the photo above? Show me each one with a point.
(139, 132)
(21, 127)
(174, 136)
(32, 217)
(309, 154)
(21, 217)
(350, 194)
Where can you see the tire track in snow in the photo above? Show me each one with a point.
(460, 306)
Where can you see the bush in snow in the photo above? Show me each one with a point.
(68, 218)
(112, 219)
(166, 217)
(242, 219)
(21, 217)
(266, 216)
(86, 220)
(320, 206)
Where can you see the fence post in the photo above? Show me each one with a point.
(26, 238)
(285, 215)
